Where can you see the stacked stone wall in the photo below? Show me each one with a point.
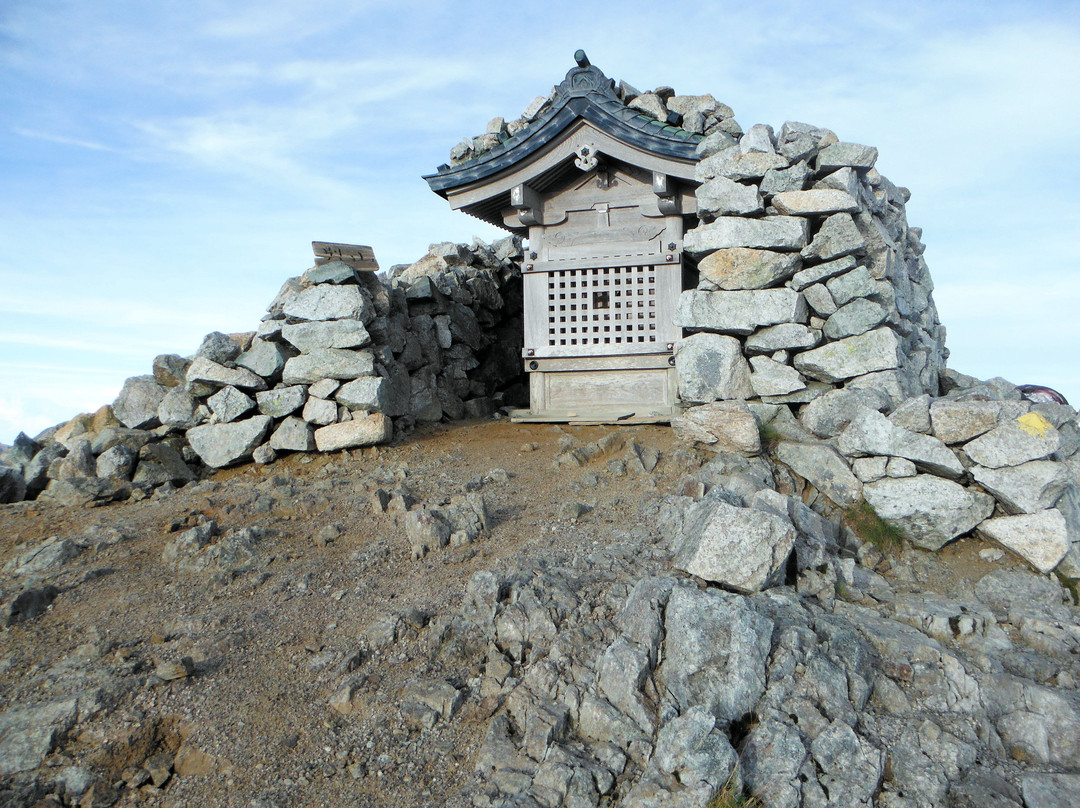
(809, 276)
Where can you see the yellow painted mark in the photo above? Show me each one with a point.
(1034, 424)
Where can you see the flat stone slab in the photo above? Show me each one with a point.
(1041, 539)
(308, 337)
(723, 426)
(871, 433)
(840, 155)
(1027, 488)
(736, 165)
(771, 378)
(854, 356)
(293, 435)
(958, 421)
(931, 511)
(782, 337)
(328, 302)
(137, 405)
(782, 233)
(328, 363)
(281, 401)
(367, 430)
(205, 371)
(220, 445)
(744, 268)
(1029, 437)
(739, 312)
(815, 202)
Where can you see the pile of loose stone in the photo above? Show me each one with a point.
(980, 459)
(341, 359)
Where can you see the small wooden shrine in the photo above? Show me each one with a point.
(601, 191)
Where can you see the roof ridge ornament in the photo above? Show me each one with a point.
(585, 79)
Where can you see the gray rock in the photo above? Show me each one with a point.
(734, 164)
(324, 388)
(219, 348)
(723, 197)
(694, 749)
(783, 233)
(327, 302)
(369, 394)
(137, 405)
(281, 401)
(293, 435)
(901, 467)
(742, 268)
(857, 317)
(1017, 441)
(711, 367)
(820, 301)
(28, 734)
(782, 337)
(838, 236)
(170, 369)
(79, 461)
(328, 363)
(12, 485)
(426, 530)
(228, 404)
(778, 180)
(773, 759)
(869, 469)
(220, 445)
(724, 426)
(1050, 790)
(715, 650)
(320, 412)
(44, 558)
(830, 414)
(851, 768)
(982, 788)
(335, 272)
(1041, 539)
(312, 336)
(621, 674)
(82, 491)
(799, 141)
(758, 138)
(204, 371)
(821, 272)
(820, 464)
(871, 433)
(740, 548)
(850, 285)
(839, 155)
(264, 358)
(366, 430)
(929, 510)
(117, 462)
(1027, 488)
(179, 409)
(960, 420)
(739, 312)
(160, 463)
(914, 415)
(816, 202)
(770, 378)
(854, 356)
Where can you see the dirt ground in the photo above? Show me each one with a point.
(332, 597)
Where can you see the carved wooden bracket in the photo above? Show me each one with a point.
(528, 204)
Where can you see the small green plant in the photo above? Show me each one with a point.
(769, 435)
(1070, 584)
(870, 527)
(732, 794)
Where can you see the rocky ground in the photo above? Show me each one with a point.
(494, 614)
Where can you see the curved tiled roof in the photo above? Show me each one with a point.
(586, 93)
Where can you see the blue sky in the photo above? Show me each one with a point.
(165, 165)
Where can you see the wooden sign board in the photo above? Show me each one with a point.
(357, 256)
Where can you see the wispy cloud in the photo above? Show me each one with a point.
(63, 140)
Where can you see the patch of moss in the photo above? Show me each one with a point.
(870, 527)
